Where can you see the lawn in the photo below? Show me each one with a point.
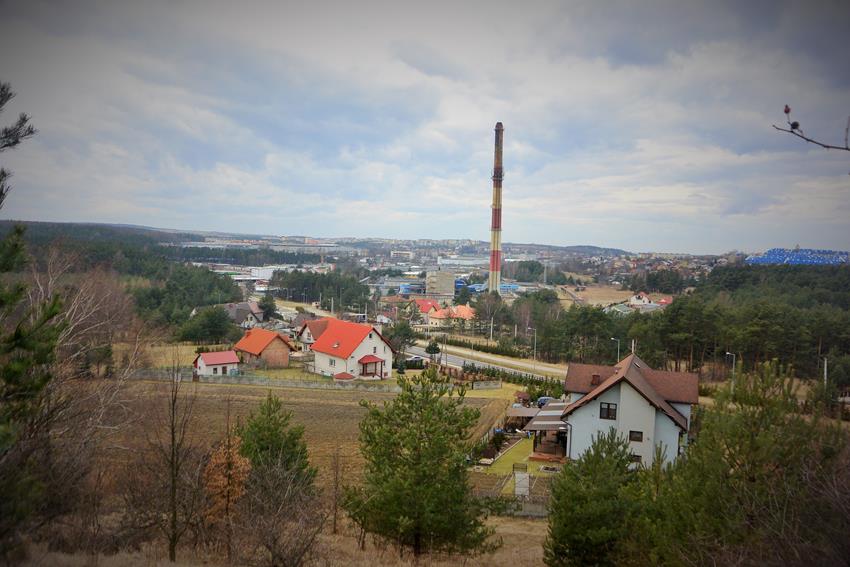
(519, 453)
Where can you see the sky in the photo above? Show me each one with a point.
(642, 126)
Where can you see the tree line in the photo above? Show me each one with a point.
(797, 315)
(333, 289)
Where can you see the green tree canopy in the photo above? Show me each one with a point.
(268, 305)
(269, 438)
(416, 492)
(209, 324)
(589, 510)
(400, 336)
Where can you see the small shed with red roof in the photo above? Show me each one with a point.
(352, 348)
(216, 363)
(265, 348)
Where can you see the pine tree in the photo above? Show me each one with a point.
(28, 337)
(433, 348)
(416, 492)
(268, 305)
(269, 438)
(589, 510)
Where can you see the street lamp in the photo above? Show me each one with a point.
(534, 363)
(618, 348)
(732, 354)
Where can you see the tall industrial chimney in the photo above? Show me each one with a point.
(496, 222)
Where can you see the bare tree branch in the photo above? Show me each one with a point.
(794, 130)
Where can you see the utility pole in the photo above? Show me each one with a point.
(734, 358)
(618, 348)
(825, 375)
(534, 352)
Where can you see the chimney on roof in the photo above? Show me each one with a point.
(595, 380)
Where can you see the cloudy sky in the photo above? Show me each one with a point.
(645, 128)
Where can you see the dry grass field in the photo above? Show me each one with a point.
(330, 417)
(522, 545)
(603, 295)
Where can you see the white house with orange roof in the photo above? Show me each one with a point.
(427, 307)
(461, 315)
(347, 351)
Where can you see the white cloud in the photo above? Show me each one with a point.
(347, 119)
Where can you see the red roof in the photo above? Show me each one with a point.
(370, 358)
(222, 357)
(256, 341)
(343, 376)
(341, 338)
(425, 305)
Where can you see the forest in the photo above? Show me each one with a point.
(795, 314)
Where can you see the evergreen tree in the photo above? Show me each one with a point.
(463, 297)
(268, 305)
(589, 510)
(28, 337)
(268, 439)
(209, 324)
(433, 348)
(400, 336)
(416, 492)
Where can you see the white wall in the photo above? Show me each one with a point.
(667, 436)
(636, 414)
(322, 364)
(205, 370)
(586, 424)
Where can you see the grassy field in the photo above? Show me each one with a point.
(167, 355)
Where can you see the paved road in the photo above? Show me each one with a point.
(458, 360)
(576, 299)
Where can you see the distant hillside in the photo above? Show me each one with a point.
(587, 250)
(42, 233)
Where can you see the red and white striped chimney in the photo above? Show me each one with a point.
(495, 279)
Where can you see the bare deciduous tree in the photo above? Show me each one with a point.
(280, 516)
(163, 489)
(795, 129)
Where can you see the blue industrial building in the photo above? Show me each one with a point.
(799, 257)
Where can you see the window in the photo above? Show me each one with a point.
(635, 458)
(370, 335)
(385, 348)
(331, 362)
(224, 370)
(607, 411)
(215, 370)
(374, 350)
(635, 435)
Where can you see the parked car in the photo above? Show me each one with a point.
(543, 400)
(414, 358)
